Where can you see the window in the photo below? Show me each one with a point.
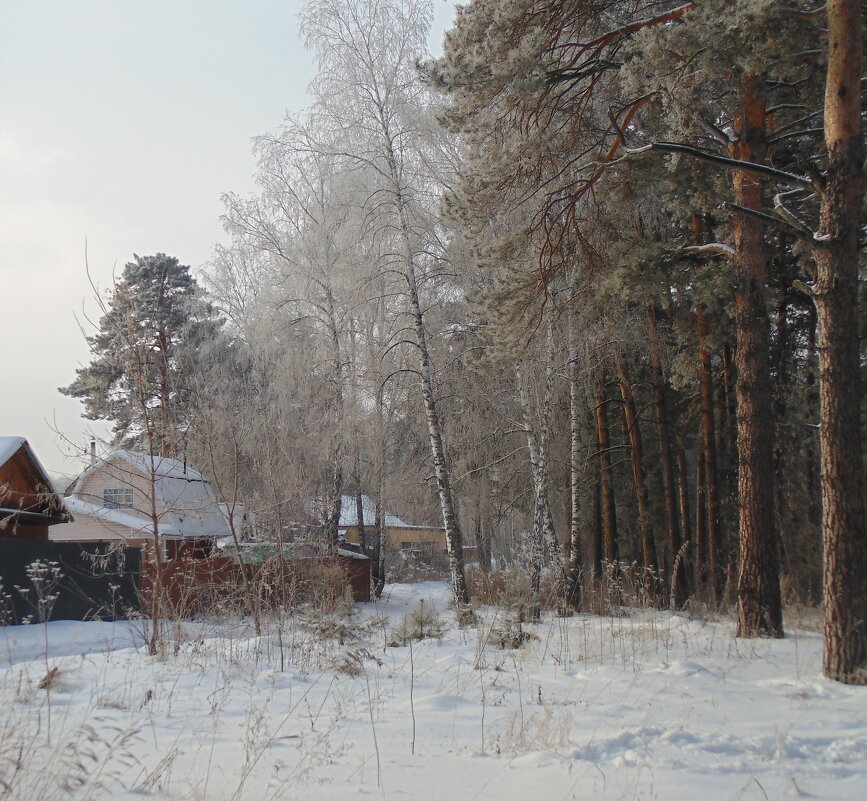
(117, 498)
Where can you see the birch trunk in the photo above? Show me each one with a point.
(576, 551)
(454, 541)
(538, 449)
(334, 494)
(709, 457)
(543, 522)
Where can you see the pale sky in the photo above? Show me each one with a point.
(121, 124)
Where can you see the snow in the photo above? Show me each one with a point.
(9, 447)
(644, 705)
(349, 513)
(123, 517)
(351, 554)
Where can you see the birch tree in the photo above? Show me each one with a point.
(302, 219)
(371, 108)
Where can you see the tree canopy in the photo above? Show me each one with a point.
(154, 320)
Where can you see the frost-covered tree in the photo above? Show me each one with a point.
(304, 220)
(371, 108)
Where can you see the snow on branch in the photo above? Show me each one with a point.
(711, 248)
(713, 158)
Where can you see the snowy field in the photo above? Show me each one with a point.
(643, 706)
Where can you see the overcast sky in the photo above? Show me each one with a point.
(121, 124)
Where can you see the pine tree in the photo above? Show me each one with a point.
(153, 321)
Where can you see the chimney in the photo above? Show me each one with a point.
(93, 450)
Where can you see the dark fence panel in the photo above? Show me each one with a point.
(43, 580)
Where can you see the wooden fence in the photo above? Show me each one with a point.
(195, 586)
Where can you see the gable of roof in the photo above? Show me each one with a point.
(8, 447)
(186, 503)
(25, 486)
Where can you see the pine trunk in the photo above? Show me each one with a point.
(759, 603)
(665, 457)
(597, 543)
(699, 538)
(630, 419)
(836, 295)
(726, 434)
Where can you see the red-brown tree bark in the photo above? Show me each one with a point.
(649, 558)
(759, 607)
(844, 529)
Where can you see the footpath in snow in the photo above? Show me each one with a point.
(645, 705)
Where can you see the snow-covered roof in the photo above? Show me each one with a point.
(51, 502)
(163, 466)
(122, 517)
(9, 447)
(185, 501)
(349, 513)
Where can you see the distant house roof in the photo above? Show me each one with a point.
(349, 514)
(186, 503)
(25, 487)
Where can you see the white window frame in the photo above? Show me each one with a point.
(117, 498)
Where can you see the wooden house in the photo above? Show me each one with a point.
(401, 536)
(124, 496)
(28, 504)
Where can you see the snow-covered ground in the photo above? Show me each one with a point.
(641, 706)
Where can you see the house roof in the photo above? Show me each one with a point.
(122, 517)
(188, 506)
(9, 446)
(349, 514)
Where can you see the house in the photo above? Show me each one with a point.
(401, 536)
(118, 498)
(28, 504)
(86, 581)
